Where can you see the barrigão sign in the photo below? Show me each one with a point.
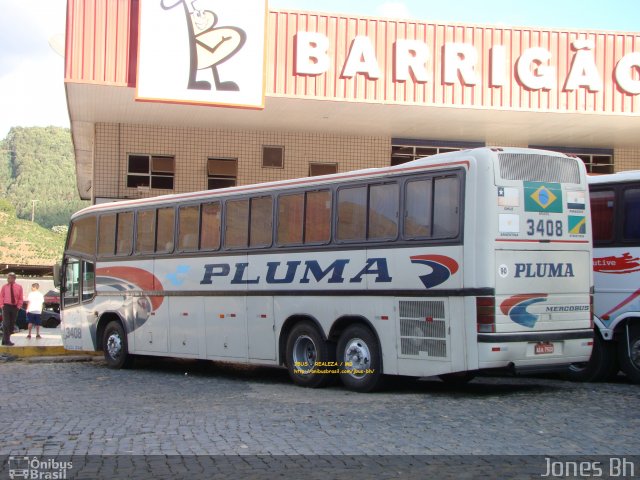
(534, 68)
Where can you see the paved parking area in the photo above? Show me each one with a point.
(190, 408)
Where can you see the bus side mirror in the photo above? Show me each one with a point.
(56, 275)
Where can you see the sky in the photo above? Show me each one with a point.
(32, 73)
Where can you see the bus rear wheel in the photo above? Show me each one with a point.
(308, 356)
(114, 346)
(629, 353)
(359, 359)
(602, 365)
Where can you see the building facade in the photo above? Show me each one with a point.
(170, 96)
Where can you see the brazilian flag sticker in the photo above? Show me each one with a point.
(542, 197)
(577, 225)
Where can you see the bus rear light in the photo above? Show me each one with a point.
(591, 311)
(486, 314)
(495, 349)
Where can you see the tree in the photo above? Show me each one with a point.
(37, 169)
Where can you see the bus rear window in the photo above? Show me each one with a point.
(83, 236)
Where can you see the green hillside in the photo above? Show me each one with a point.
(37, 174)
(26, 243)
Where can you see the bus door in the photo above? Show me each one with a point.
(78, 292)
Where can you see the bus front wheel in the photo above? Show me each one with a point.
(114, 346)
(308, 356)
(359, 359)
(602, 365)
(629, 353)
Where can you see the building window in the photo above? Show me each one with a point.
(222, 173)
(150, 171)
(272, 156)
(406, 150)
(597, 163)
(597, 160)
(316, 169)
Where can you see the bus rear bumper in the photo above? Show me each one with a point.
(534, 352)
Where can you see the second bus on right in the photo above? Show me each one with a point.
(615, 211)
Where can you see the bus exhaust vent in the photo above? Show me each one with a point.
(538, 168)
(423, 328)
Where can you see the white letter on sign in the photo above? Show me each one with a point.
(624, 75)
(311, 53)
(411, 55)
(361, 59)
(543, 76)
(584, 72)
(460, 57)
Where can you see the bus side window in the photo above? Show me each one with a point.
(261, 229)
(145, 231)
(290, 218)
(124, 235)
(188, 225)
(446, 211)
(383, 212)
(210, 232)
(237, 224)
(352, 213)
(107, 235)
(165, 230)
(317, 217)
(631, 222)
(417, 215)
(602, 215)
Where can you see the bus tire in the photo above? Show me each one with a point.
(305, 349)
(359, 359)
(114, 346)
(602, 366)
(629, 352)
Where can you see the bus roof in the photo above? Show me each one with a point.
(620, 177)
(442, 160)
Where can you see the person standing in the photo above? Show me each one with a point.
(34, 309)
(11, 299)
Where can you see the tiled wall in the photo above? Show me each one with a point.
(626, 159)
(192, 147)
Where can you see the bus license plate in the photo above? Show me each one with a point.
(543, 348)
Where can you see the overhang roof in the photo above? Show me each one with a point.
(91, 104)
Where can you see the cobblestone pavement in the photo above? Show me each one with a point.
(189, 408)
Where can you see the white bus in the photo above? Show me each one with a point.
(446, 265)
(615, 207)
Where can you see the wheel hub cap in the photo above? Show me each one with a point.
(357, 357)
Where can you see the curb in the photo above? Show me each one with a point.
(41, 351)
(63, 359)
